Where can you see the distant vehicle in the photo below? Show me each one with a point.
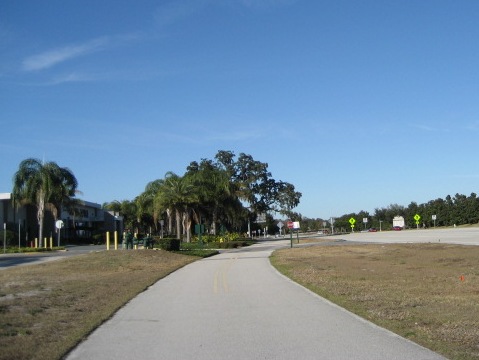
(372, 230)
(397, 228)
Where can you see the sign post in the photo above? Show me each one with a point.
(290, 227)
(434, 218)
(352, 221)
(199, 230)
(417, 217)
(59, 225)
(296, 227)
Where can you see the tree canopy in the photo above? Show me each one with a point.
(47, 186)
(227, 191)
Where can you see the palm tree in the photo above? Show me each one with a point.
(63, 196)
(178, 194)
(214, 188)
(44, 185)
(147, 202)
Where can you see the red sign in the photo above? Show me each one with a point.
(290, 224)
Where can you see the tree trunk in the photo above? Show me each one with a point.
(187, 226)
(215, 219)
(40, 216)
(178, 224)
(170, 221)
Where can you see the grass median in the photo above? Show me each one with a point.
(46, 309)
(428, 293)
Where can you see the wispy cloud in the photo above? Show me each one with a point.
(53, 57)
(71, 78)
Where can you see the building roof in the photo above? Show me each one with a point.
(5, 196)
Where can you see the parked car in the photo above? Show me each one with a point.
(372, 230)
(397, 228)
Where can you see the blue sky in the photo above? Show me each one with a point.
(359, 104)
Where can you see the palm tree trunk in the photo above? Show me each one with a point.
(170, 221)
(40, 216)
(187, 225)
(215, 219)
(178, 224)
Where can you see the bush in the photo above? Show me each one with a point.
(200, 253)
(208, 238)
(12, 250)
(98, 239)
(170, 244)
(235, 244)
(10, 237)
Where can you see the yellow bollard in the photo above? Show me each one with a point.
(36, 243)
(116, 240)
(45, 243)
(51, 242)
(107, 240)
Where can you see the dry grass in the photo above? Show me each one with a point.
(415, 290)
(45, 310)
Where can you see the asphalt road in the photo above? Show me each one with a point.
(21, 259)
(459, 236)
(237, 306)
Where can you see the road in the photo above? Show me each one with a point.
(459, 236)
(237, 306)
(21, 259)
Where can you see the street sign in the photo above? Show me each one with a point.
(261, 218)
(352, 221)
(417, 217)
(199, 229)
(59, 224)
(365, 220)
(296, 225)
(280, 225)
(290, 224)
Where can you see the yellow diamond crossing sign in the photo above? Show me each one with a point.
(417, 217)
(352, 221)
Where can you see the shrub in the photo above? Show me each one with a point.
(200, 253)
(170, 244)
(207, 238)
(10, 237)
(98, 239)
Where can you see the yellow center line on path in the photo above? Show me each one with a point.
(221, 276)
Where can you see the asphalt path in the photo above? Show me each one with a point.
(237, 306)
